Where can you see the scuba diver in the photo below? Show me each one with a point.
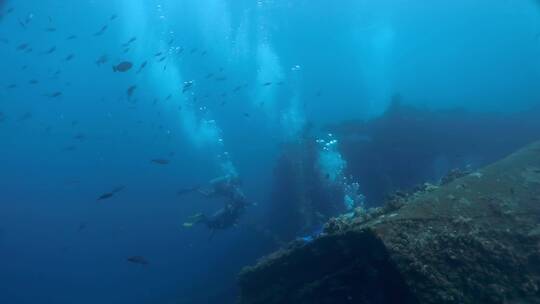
(227, 187)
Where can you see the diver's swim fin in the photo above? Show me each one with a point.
(194, 219)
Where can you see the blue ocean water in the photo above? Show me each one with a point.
(221, 87)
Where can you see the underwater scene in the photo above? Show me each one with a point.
(269, 151)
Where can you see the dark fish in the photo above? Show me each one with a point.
(142, 66)
(193, 51)
(80, 137)
(246, 115)
(105, 196)
(158, 54)
(203, 53)
(33, 81)
(82, 226)
(4, 40)
(25, 116)
(160, 161)
(237, 88)
(123, 66)
(69, 57)
(113, 17)
(222, 78)
(49, 51)
(101, 31)
(22, 46)
(138, 260)
(131, 90)
(131, 40)
(102, 59)
(267, 84)
(73, 181)
(118, 189)
(54, 94)
(171, 41)
(126, 50)
(29, 18)
(162, 58)
(22, 24)
(50, 29)
(71, 37)
(168, 97)
(11, 86)
(70, 148)
(47, 129)
(187, 86)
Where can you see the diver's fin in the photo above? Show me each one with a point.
(195, 219)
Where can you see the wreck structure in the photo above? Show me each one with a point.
(472, 239)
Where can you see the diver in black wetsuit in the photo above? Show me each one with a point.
(227, 187)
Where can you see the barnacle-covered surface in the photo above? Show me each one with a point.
(473, 239)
